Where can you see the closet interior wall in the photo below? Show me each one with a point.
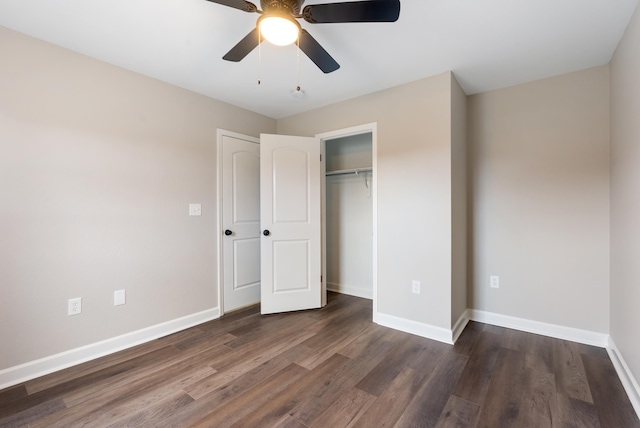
(349, 211)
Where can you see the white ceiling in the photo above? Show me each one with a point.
(488, 44)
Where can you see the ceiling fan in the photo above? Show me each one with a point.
(284, 13)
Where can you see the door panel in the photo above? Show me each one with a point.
(241, 216)
(290, 261)
(247, 266)
(290, 212)
(290, 170)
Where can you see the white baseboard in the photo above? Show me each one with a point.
(552, 330)
(626, 377)
(33, 369)
(459, 326)
(419, 329)
(350, 290)
(450, 336)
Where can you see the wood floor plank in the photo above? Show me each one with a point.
(323, 346)
(232, 390)
(268, 412)
(428, 355)
(304, 398)
(430, 400)
(345, 410)
(389, 406)
(574, 413)
(238, 364)
(204, 340)
(278, 324)
(13, 393)
(373, 336)
(539, 406)
(32, 414)
(515, 340)
(289, 422)
(539, 354)
(324, 396)
(217, 390)
(59, 390)
(474, 380)
(118, 403)
(504, 396)
(286, 327)
(468, 338)
(201, 414)
(571, 378)
(594, 351)
(609, 398)
(105, 363)
(154, 414)
(377, 380)
(500, 331)
(459, 413)
(145, 375)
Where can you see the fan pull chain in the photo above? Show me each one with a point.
(298, 65)
(259, 56)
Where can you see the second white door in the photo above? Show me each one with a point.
(240, 221)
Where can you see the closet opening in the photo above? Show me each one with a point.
(349, 262)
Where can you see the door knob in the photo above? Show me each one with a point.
(266, 232)
(228, 232)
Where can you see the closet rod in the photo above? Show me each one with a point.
(349, 171)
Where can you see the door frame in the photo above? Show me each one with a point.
(366, 128)
(220, 262)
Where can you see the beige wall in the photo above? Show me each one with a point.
(459, 168)
(541, 200)
(414, 190)
(625, 196)
(97, 168)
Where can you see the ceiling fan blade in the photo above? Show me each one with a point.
(316, 53)
(237, 4)
(244, 46)
(357, 11)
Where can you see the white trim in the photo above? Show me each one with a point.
(351, 290)
(33, 369)
(626, 377)
(346, 132)
(537, 327)
(459, 326)
(419, 329)
(220, 262)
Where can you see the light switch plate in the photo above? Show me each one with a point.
(195, 209)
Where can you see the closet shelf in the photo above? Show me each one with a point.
(349, 171)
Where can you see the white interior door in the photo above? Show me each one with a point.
(290, 221)
(240, 221)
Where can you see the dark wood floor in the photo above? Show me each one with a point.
(329, 368)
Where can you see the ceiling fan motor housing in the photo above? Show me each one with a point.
(290, 7)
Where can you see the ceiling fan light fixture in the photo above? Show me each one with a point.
(279, 30)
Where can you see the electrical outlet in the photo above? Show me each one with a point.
(415, 287)
(75, 306)
(119, 297)
(195, 209)
(495, 281)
